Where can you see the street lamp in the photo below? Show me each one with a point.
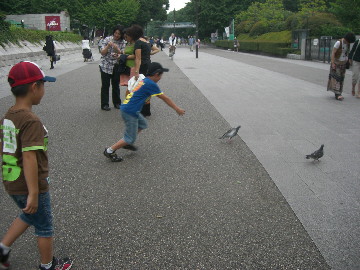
(146, 27)
(174, 20)
(22, 23)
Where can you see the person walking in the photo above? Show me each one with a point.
(100, 43)
(191, 43)
(23, 147)
(111, 49)
(135, 122)
(50, 50)
(354, 57)
(339, 57)
(236, 45)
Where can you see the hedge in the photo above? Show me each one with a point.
(266, 47)
(16, 34)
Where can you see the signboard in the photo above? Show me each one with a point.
(227, 31)
(315, 42)
(52, 23)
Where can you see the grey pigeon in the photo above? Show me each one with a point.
(230, 133)
(317, 154)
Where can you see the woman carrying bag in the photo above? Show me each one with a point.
(339, 57)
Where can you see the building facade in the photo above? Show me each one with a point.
(50, 22)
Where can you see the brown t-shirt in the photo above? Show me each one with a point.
(21, 131)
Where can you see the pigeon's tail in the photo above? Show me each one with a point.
(308, 156)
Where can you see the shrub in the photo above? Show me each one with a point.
(4, 28)
(243, 27)
(16, 34)
(263, 47)
(277, 26)
(259, 28)
(320, 20)
(333, 31)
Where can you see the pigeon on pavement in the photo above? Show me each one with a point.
(317, 154)
(230, 133)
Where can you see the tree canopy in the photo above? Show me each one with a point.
(93, 13)
(211, 15)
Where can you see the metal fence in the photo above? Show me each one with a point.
(319, 48)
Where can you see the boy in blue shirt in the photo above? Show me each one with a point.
(135, 122)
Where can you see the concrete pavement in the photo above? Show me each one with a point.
(186, 200)
(285, 114)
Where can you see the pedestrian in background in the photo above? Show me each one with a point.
(191, 43)
(86, 51)
(143, 50)
(100, 43)
(354, 57)
(236, 45)
(129, 51)
(50, 49)
(339, 57)
(111, 49)
(25, 173)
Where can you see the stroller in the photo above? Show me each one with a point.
(87, 55)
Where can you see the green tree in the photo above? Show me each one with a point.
(310, 7)
(151, 9)
(271, 14)
(348, 12)
(291, 5)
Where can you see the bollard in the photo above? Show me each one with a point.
(197, 51)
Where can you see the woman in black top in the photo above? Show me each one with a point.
(143, 50)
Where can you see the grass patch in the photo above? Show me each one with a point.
(16, 34)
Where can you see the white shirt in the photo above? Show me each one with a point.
(85, 44)
(171, 42)
(343, 56)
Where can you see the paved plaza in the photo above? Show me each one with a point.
(187, 200)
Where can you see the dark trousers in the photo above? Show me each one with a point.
(105, 85)
(146, 108)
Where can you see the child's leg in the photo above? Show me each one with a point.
(17, 228)
(133, 127)
(45, 245)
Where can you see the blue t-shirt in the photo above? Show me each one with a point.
(139, 95)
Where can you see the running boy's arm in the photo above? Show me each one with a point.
(171, 104)
(31, 176)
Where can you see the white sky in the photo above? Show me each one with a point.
(177, 4)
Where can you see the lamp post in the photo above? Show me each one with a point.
(146, 28)
(174, 21)
(22, 24)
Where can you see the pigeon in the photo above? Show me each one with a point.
(317, 154)
(230, 133)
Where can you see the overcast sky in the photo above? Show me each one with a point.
(177, 4)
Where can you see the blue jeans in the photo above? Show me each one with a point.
(42, 219)
(132, 125)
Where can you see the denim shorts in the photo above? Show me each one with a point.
(132, 125)
(42, 219)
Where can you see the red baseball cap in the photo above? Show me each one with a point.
(27, 72)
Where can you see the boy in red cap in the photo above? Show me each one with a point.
(23, 146)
